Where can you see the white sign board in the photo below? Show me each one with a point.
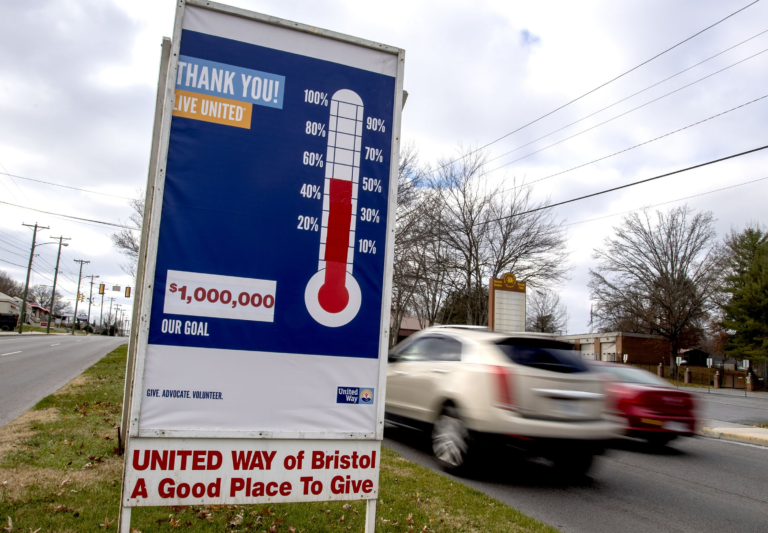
(262, 341)
(506, 304)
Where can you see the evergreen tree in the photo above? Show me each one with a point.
(746, 313)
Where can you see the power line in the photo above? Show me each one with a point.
(610, 119)
(645, 142)
(65, 186)
(605, 191)
(632, 95)
(604, 84)
(68, 216)
(667, 202)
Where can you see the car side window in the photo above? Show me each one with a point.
(431, 349)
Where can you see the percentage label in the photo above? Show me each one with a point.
(367, 246)
(374, 154)
(375, 124)
(315, 128)
(315, 97)
(369, 215)
(370, 184)
(310, 191)
(307, 223)
(312, 159)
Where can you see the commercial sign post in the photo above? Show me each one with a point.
(506, 304)
(261, 339)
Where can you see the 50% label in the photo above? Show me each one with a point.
(222, 297)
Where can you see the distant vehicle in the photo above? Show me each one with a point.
(652, 409)
(473, 390)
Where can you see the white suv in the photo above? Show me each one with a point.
(471, 388)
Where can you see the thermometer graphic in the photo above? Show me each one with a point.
(333, 295)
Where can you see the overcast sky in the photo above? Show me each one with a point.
(78, 81)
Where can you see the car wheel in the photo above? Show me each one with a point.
(660, 439)
(450, 440)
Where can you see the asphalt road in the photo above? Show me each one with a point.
(34, 366)
(693, 485)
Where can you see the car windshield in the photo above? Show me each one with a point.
(629, 374)
(544, 354)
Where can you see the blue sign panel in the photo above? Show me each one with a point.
(273, 231)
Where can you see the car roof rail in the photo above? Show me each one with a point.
(461, 326)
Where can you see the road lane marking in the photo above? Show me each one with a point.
(56, 344)
(10, 353)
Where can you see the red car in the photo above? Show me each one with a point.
(653, 409)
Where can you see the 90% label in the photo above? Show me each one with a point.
(223, 297)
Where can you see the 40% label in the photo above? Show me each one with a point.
(222, 297)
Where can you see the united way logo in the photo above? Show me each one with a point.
(354, 395)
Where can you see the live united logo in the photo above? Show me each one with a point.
(355, 395)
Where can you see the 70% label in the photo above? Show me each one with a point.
(224, 297)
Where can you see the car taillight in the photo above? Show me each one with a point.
(504, 398)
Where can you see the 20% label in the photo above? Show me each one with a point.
(224, 297)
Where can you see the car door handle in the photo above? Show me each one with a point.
(401, 372)
(441, 371)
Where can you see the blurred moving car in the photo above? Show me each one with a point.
(472, 389)
(653, 409)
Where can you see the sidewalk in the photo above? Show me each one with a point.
(739, 393)
(717, 429)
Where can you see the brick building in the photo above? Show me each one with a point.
(640, 348)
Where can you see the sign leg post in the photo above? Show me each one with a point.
(125, 520)
(370, 516)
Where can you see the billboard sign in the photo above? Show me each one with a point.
(506, 304)
(265, 299)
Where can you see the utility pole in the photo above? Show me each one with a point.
(90, 300)
(118, 312)
(101, 310)
(109, 316)
(79, 279)
(55, 275)
(29, 269)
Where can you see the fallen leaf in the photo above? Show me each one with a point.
(273, 528)
(60, 509)
(65, 482)
(107, 523)
(35, 531)
(237, 520)
(9, 527)
(346, 506)
(291, 529)
(384, 521)
(409, 519)
(393, 524)
(134, 530)
(174, 523)
(341, 519)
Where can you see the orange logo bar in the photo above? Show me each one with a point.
(212, 109)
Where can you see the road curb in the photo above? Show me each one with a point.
(756, 436)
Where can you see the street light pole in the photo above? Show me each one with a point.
(55, 276)
(79, 279)
(29, 269)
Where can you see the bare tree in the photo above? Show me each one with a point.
(489, 230)
(41, 294)
(127, 241)
(10, 286)
(658, 275)
(545, 312)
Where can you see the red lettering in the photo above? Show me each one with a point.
(373, 459)
(368, 485)
(248, 487)
(240, 460)
(306, 480)
(136, 464)
(158, 460)
(300, 457)
(237, 484)
(172, 460)
(337, 485)
(198, 460)
(140, 490)
(318, 460)
(271, 488)
(344, 462)
(365, 461)
(184, 454)
(256, 462)
(328, 461)
(285, 488)
(198, 490)
(354, 459)
(182, 491)
(356, 485)
(268, 458)
(214, 460)
(166, 493)
(258, 489)
(214, 488)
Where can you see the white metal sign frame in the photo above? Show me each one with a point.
(140, 326)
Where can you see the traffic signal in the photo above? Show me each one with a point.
(101, 289)
(127, 292)
(80, 297)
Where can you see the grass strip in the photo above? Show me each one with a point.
(60, 472)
